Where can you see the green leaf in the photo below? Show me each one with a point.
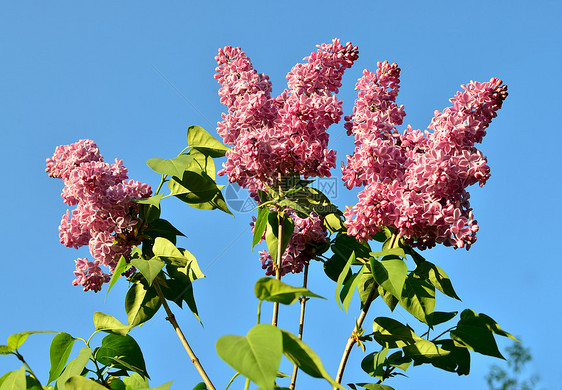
(256, 356)
(392, 334)
(172, 167)
(16, 340)
(117, 384)
(5, 350)
(334, 223)
(199, 191)
(272, 233)
(200, 386)
(80, 383)
(180, 289)
(423, 351)
(334, 267)
(349, 288)
(201, 163)
(437, 277)
(197, 137)
(305, 358)
(141, 303)
(343, 246)
(399, 361)
(476, 333)
(438, 317)
(74, 367)
(149, 268)
(418, 298)
(373, 363)
(389, 252)
(32, 383)
(15, 380)
(60, 349)
(390, 275)
(390, 300)
(107, 323)
(260, 224)
(162, 228)
(121, 352)
(370, 386)
(274, 290)
(121, 267)
(364, 286)
(152, 201)
(458, 359)
(136, 381)
(343, 277)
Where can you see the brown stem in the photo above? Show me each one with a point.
(301, 325)
(172, 319)
(351, 340)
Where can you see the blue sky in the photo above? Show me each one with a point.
(133, 76)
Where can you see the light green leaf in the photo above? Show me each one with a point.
(80, 383)
(390, 275)
(388, 298)
(16, 340)
(334, 223)
(371, 386)
(107, 323)
(136, 381)
(60, 349)
(121, 267)
(256, 356)
(272, 234)
(15, 380)
(424, 349)
(305, 358)
(202, 163)
(74, 367)
(149, 268)
(121, 352)
(343, 277)
(152, 201)
(418, 298)
(373, 363)
(197, 137)
(260, 224)
(388, 252)
(349, 288)
(274, 290)
(170, 166)
(141, 303)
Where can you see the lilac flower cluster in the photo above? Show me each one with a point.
(105, 217)
(416, 181)
(308, 234)
(279, 136)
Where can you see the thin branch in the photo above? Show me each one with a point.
(301, 325)
(172, 319)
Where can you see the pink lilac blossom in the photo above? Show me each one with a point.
(416, 181)
(105, 216)
(308, 234)
(283, 135)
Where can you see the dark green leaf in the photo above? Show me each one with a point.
(180, 289)
(149, 268)
(200, 386)
(364, 286)
(141, 303)
(121, 352)
(334, 267)
(170, 166)
(373, 363)
(437, 277)
(110, 324)
(418, 298)
(60, 349)
(458, 359)
(260, 225)
(343, 246)
(33, 384)
(256, 356)
(274, 290)
(438, 317)
(390, 275)
(272, 233)
(390, 300)
(399, 361)
(74, 367)
(305, 358)
(153, 200)
(370, 386)
(162, 228)
(5, 350)
(197, 137)
(392, 334)
(117, 384)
